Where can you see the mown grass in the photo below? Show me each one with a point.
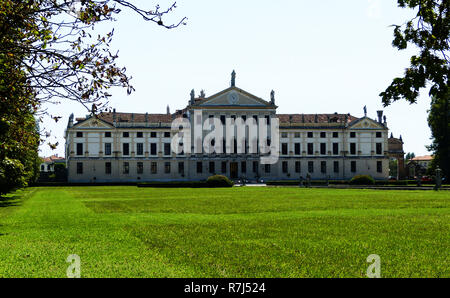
(240, 232)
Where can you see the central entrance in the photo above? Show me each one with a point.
(233, 170)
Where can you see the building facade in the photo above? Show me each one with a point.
(137, 147)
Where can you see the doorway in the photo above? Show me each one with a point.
(233, 170)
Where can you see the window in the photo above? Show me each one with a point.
(212, 167)
(153, 134)
(255, 167)
(167, 134)
(126, 168)
(224, 166)
(267, 168)
(153, 149)
(335, 135)
(166, 148)
(353, 166)
(108, 149)
(297, 148)
(167, 167)
(126, 134)
(353, 148)
(126, 148)
(181, 168)
(323, 167)
(222, 119)
(323, 135)
(323, 148)
(335, 148)
(310, 148)
(297, 135)
(79, 148)
(244, 117)
(310, 167)
(284, 135)
(140, 168)
(298, 168)
(285, 167)
(310, 134)
(140, 149)
(284, 148)
(199, 167)
(379, 134)
(379, 166)
(243, 167)
(79, 168)
(379, 148)
(353, 134)
(108, 168)
(49, 168)
(140, 134)
(79, 134)
(154, 168)
(336, 167)
(107, 134)
(42, 168)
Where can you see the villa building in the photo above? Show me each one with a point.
(137, 147)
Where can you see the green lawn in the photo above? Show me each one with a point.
(238, 232)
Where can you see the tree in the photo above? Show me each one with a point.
(439, 122)
(393, 167)
(429, 31)
(409, 155)
(49, 53)
(61, 55)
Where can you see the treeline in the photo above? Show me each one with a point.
(19, 138)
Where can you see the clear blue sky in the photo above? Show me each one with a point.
(319, 56)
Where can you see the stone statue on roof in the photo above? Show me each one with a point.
(233, 79)
(272, 97)
(365, 111)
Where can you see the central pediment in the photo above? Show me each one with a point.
(234, 97)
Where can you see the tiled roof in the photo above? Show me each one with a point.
(291, 119)
(52, 158)
(137, 118)
(423, 158)
(314, 118)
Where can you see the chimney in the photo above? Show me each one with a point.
(380, 116)
(132, 117)
(168, 110)
(114, 115)
(385, 120)
(146, 117)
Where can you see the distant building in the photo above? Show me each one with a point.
(133, 147)
(420, 163)
(48, 163)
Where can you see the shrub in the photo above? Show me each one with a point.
(219, 181)
(362, 180)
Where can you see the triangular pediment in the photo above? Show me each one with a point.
(93, 122)
(234, 97)
(366, 123)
